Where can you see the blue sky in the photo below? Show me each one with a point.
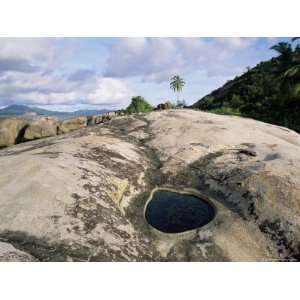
(79, 73)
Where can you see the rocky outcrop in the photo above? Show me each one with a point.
(72, 124)
(163, 106)
(17, 130)
(12, 131)
(249, 169)
(8, 253)
(98, 119)
(81, 196)
(121, 112)
(108, 116)
(94, 120)
(70, 202)
(41, 128)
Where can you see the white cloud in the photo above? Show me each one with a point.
(39, 89)
(110, 91)
(37, 52)
(158, 59)
(26, 48)
(55, 71)
(35, 71)
(43, 53)
(236, 42)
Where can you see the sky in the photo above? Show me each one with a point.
(67, 74)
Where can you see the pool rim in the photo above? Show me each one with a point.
(185, 191)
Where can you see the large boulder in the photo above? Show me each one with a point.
(108, 116)
(43, 127)
(83, 196)
(163, 106)
(72, 124)
(64, 198)
(12, 131)
(94, 120)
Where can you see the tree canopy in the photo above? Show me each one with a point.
(269, 92)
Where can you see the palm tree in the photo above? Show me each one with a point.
(295, 70)
(285, 50)
(177, 84)
(284, 60)
(282, 48)
(289, 69)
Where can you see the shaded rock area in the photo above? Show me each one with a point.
(81, 196)
(10, 253)
(11, 131)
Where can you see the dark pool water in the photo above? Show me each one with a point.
(172, 212)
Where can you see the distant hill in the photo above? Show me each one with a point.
(269, 92)
(20, 110)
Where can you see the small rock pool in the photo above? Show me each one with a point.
(173, 212)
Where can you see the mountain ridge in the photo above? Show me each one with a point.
(19, 110)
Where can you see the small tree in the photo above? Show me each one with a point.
(138, 104)
(177, 84)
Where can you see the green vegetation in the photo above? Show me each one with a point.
(138, 104)
(269, 92)
(177, 84)
(226, 111)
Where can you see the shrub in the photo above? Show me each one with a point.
(139, 104)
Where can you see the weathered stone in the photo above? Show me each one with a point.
(43, 127)
(108, 116)
(8, 253)
(94, 120)
(72, 124)
(82, 197)
(120, 112)
(12, 131)
(163, 106)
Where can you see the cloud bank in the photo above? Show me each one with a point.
(157, 59)
(32, 72)
(56, 71)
